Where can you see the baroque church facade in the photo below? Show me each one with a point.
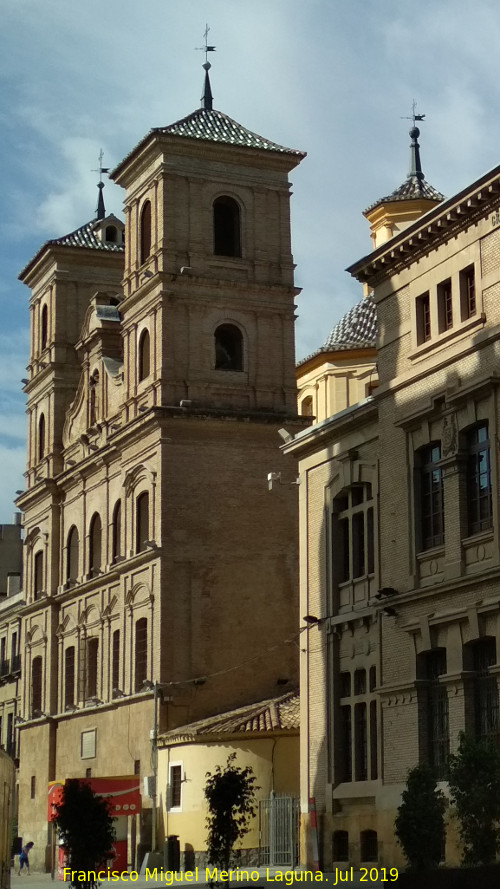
(399, 522)
(162, 366)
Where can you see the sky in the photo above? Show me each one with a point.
(334, 78)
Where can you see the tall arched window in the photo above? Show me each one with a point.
(228, 347)
(44, 328)
(41, 437)
(95, 540)
(69, 677)
(92, 667)
(141, 653)
(144, 355)
(117, 532)
(116, 661)
(38, 574)
(145, 231)
(142, 522)
(227, 239)
(72, 554)
(36, 687)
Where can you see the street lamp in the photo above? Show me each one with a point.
(157, 689)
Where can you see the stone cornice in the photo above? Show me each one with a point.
(434, 228)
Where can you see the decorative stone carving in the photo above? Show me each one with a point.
(449, 436)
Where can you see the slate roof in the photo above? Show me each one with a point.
(274, 714)
(413, 188)
(356, 330)
(86, 236)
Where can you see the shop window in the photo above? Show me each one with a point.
(145, 232)
(144, 355)
(227, 239)
(228, 348)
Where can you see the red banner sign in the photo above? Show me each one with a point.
(124, 794)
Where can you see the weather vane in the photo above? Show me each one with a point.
(101, 169)
(206, 49)
(414, 117)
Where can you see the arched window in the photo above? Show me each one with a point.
(227, 240)
(44, 328)
(306, 408)
(92, 664)
(144, 355)
(36, 687)
(116, 661)
(369, 845)
(41, 437)
(117, 532)
(228, 348)
(142, 522)
(69, 677)
(141, 653)
(95, 539)
(145, 231)
(72, 554)
(38, 574)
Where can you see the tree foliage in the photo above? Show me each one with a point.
(475, 792)
(85, 827)
(419, 823)
(230, 793)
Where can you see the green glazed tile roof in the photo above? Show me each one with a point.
(86, 236)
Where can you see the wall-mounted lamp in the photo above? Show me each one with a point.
(276, 477)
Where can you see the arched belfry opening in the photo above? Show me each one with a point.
(227, 235)
(228, 347)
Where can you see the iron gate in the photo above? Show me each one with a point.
(279, 831)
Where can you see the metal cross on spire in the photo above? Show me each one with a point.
(206, 49)
(100, 212)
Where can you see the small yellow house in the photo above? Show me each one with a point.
(264, 736)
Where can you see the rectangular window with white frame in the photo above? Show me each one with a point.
(174, 790)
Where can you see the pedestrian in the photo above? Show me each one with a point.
(24, 858)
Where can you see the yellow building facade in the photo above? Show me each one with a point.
(399, 539)
(161, 368)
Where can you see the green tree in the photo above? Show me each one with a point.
(230, 793)
(419, 824)
(86, 829)
(475, 793)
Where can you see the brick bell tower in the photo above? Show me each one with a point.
(163, 556)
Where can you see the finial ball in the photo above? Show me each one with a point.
(207, 66)
(414, 132)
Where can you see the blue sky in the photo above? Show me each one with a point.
(331, 77)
